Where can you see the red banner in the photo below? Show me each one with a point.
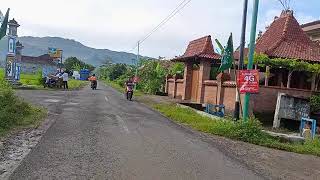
(248, 81)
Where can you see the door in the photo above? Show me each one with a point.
(195, 85)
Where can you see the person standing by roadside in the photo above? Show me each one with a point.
(65, 78)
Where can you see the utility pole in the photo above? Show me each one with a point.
(251, 53)
(236, 114)
(136, 74)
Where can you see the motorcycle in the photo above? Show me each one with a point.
(129, 95)
(93, 85)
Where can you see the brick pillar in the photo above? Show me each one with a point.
(187, 81)
(267, 75)
(174, 86)
(167, 84)
(204, 74)
(222, 77)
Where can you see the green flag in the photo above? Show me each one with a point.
(3, 29)
(227, 57)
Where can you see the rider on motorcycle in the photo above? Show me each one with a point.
(93, 80)
(129, 84)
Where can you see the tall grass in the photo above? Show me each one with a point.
(14, 112)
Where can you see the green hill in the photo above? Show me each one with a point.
(35, 46)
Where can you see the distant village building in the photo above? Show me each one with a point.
(44, 63)
(313, 30)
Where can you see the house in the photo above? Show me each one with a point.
(313, 30)
(44, 63)
(283, 39)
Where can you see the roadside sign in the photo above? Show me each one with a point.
(54, 52)
(248, 81)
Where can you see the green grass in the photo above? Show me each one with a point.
(31, 79)
(1, 73)
(76, 84)
(250, 132)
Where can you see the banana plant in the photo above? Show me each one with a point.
(220, 46)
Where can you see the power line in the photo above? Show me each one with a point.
(183, 4)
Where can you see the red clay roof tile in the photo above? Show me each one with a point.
(202, 48)
(286, 39)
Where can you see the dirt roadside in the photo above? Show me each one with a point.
(270, 163)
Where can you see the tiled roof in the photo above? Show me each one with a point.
(13, 21)
(43, 59)
(202, 48)
(286, 39)
(236, 54)
(310, 24)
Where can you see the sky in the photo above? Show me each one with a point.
(119, 24)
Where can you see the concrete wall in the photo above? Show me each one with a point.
(175, 88)
(264, 102)
(179, 88)
(34, 68)
(170, 89)
(210, 91)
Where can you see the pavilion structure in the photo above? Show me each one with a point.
(285, 38)
(198, 58)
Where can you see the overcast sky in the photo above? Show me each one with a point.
(119, 24)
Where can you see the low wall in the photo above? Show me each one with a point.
(175, 88)
(171, 86)
(266, 100)
(263, 102)
(210, 92)
(179, 88)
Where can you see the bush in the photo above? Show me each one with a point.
(315, 103)
(14, 112)
(11, 108)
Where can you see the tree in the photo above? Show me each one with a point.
(75, 64)
(315, 70)
(294, 65)
(117, 70)
(176, 68)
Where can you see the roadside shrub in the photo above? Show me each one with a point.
(250, 131)
(12, 109)
(315, 103)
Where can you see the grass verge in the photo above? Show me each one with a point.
(76, 84)
(16, 113)
(250, 132)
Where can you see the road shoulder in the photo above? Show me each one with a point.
(267, 162)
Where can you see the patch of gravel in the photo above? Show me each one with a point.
(16, 146)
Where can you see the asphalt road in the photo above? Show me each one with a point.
(100, 135)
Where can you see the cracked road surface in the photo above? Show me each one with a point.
(100, 135)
